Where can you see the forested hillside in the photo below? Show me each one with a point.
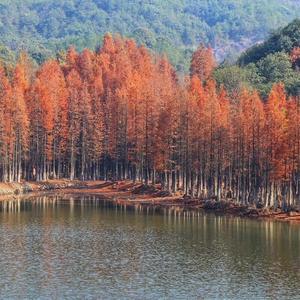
(42, 27)
(273, 61)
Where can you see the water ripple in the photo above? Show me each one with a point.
(54, 248)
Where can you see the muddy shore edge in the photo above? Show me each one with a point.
(137, 195)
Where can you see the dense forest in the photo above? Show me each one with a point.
(44, 27)
(122, 113)
(260, 67)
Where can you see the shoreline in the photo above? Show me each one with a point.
(136, 195)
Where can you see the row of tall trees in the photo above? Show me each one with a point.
(122, 113)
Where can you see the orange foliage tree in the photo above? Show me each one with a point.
(203, 63)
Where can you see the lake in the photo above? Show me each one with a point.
(82, 247)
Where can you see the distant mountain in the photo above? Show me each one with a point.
(42, 27)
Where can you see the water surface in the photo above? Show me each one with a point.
(85, 248)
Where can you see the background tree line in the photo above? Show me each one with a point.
(44, 27)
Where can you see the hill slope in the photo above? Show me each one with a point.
(284, 40)
(267, 63)
(43, 27)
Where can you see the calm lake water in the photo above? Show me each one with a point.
(83, 248)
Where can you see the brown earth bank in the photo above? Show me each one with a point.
(135, 195)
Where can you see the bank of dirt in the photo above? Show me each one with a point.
(7, 189)
(140, 196)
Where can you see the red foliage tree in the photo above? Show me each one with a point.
(203, 63)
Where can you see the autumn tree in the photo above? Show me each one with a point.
(74, 86)
(276, 141)
(295, 57)
(6, 126)
(203, 63)
(20, 121)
